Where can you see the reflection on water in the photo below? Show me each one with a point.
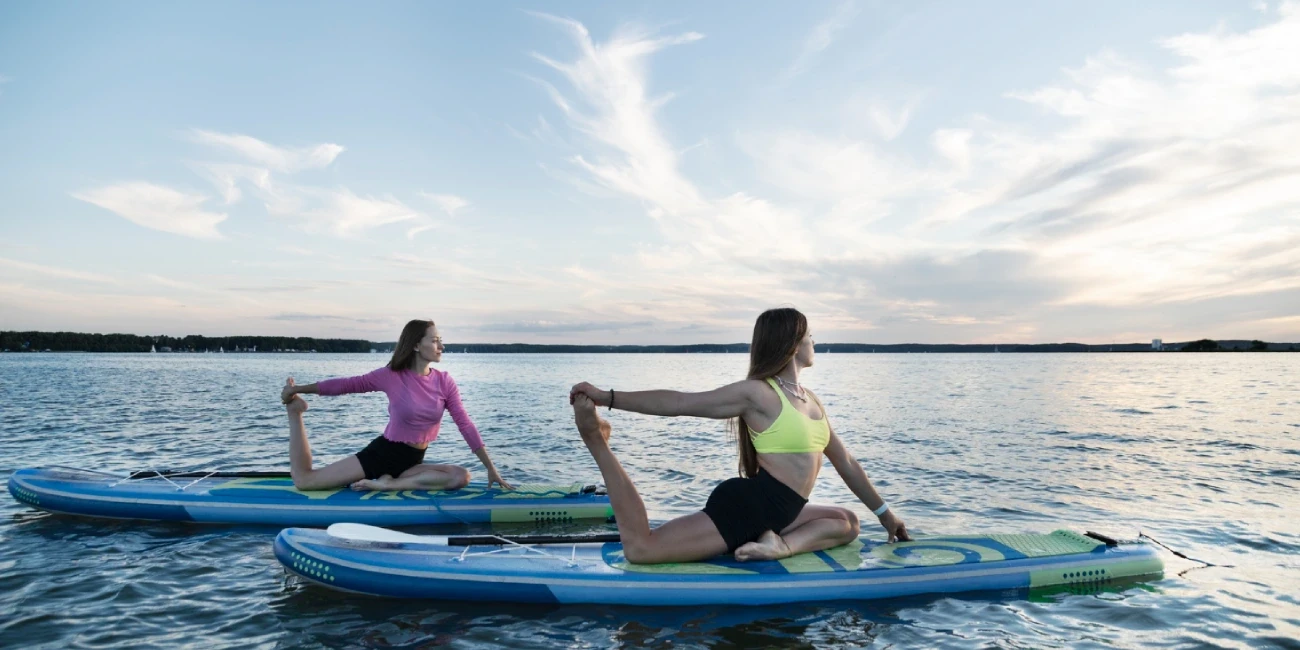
(1199, 451)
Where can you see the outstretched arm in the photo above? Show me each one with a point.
(290, 389)
(856, 478)
(730, 401)
(367, 383)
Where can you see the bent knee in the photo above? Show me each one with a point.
(459, 479)
(851, 518)
(308, 483)
(639, 551)
(645, 549)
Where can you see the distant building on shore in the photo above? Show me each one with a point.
(1157, 344)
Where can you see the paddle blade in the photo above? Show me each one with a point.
(364, 533)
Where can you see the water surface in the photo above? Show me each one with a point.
(1201, 452)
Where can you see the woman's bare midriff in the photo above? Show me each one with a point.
(797, 471)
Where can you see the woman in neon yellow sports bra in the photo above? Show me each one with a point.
(782, 432)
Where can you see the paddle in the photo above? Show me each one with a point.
(362, 532)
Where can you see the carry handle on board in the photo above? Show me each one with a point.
(362, 532)
(1109, 541)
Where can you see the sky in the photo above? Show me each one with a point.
(653, 172)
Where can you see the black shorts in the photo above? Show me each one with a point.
(744, 508)
(383, 456)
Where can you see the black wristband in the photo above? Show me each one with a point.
(611, 400)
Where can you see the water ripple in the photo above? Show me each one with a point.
(1175, 446)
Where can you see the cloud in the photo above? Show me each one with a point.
(632, 157)
(1138, 186)
(227, 178)
(280, 159)
(1137, 189)
(298, 317)
(341, 212)
(446, 272)
(615, 111)
(157, 207)
(822, 36)
(56, 272)
(410, 234)
(449, 203)
(562, 327)
(337, 211)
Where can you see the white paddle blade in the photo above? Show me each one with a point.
(362, 532)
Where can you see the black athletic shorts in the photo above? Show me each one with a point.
(744, 508)
(383, 456)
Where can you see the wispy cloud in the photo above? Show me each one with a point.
(1147, 187)
(616, 111)
(822, 36)
(341, 212)
(157, 207)
(305, 317)
(280, 159)
(448, 203)
(337, 211)
(563, 327)
(56, 272)
(630, 154)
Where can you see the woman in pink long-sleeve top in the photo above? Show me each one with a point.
(417, 397)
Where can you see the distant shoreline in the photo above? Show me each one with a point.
(18, 342)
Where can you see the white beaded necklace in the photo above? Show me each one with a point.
(800, 393)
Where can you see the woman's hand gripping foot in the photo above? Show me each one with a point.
(593, 429)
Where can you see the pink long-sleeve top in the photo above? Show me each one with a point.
(415, 403)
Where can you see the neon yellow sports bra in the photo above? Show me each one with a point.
(792, 432)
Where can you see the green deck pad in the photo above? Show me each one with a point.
(940, 551)
(848, 556)
(858, 556)
(1061, 542)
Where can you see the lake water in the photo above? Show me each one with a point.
(1201, 452)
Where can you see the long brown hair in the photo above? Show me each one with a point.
(777, 334)
(404, 353)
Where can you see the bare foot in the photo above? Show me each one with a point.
(297, 405)
(590, 425)
(366, 484)
(768, 546)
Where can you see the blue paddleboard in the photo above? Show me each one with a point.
(388, 563)
(270, 498)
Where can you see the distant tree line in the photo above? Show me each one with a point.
(77, 342)
(1207, 345)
